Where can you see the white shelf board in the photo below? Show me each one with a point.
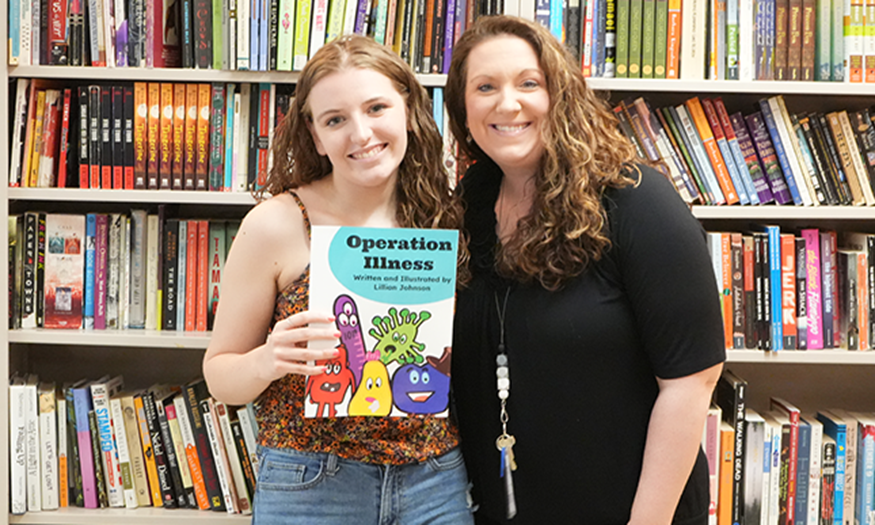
(766, 87)
(820, 357)
(125, 338)
(140, 516)
(131, 74)
(132, 196)
(769, 212)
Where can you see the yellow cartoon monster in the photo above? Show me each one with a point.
(374, 394)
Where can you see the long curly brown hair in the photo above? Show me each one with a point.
(423, 195)
(584, 153)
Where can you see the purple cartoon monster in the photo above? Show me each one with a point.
(347, 321)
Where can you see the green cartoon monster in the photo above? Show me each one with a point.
(395, 336)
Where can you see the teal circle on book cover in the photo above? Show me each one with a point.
(395, 265)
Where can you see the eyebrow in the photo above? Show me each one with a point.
(519, 74)
(366, 102)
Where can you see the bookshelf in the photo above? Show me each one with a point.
(809, 378)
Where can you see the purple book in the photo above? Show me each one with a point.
(759, 133)
(82, 405)
(361, 16)
(450, 26)
(760, 183)
(101, 261)
(812, 280)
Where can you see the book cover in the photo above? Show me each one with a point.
(17, 446)
(791, 413)
(175, 430)
(82, 405)
(101, 260)
(196, 392)
(730, 395)
(762, 141)
(788, 291)
(835, 429)
(852, 460)
(120, 434)
(754, 468)
(101, 392)
(165, 137)
(190, 452)
(153, 135)
(48, 446)
(403, 280)
(64, 270)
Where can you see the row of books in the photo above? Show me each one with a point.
(768, 156)
(824, 40)
(140, 135)
(782, 465)
(806, 290)
(256, 35)
(94, 444)
(115, 271)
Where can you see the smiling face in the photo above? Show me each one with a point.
(506, 101)
(360, 124)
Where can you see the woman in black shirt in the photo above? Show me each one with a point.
(589, 338)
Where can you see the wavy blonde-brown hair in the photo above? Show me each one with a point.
(584, 153)
(423, 195)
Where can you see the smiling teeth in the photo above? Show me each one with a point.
(368, 154)
(510, 128)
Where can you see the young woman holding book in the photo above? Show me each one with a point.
(358, 148)
(589, 339)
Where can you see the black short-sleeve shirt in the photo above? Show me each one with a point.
(583, 359)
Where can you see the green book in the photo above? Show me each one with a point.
(660, 39)
(822, 38)
(621, 57)
(636, 13)
(837, 35)
(285, 35)
(380, 29)
(302, 35)
(648, 34)
(218, 46)
(335, 20)
(675, 131)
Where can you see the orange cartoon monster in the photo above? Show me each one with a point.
(330, 388)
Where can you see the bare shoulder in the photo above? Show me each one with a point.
(272, 240)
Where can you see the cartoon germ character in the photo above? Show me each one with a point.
(374, 394)
(347, 321)
(420, 389)
(395, 336)
(330, 388)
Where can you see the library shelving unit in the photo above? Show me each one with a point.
(813, 378)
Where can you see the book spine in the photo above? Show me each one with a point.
(191, 455)
(203, 137)
(217, 127)
(169, 266)
(124, 457)
(100, 270)
(193, 394)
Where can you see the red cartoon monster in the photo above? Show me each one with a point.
(330, 388)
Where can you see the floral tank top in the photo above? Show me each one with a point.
(381, 440)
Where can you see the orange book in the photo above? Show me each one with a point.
(863, 299)
(191, 121)
(191, 276)
(727, 458)
(178, 410)
(141, 113)
(153, 135)
(178, 136)
(726, 286)
(203, 269)
(203, 137)
(165, 149)
(694, 106)
(148, 455)
(788, 290)
(673, 50)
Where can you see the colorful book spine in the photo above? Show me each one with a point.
(814, 300)
(780, 151)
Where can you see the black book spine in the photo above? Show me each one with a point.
(273, 20)
(128, 156)
(94, 142)
(194, 393)
(118, 144)
(100, 479)
(817, 156)
(170, 264)
(243, 454)
(83, 136)
(187, 34)
(801, 294)
(106, 137)
(841, 179)
(170, 456)
(203, 33)
(168, 494)
(40, 269)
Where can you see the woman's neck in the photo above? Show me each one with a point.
(344, 205)
(516, 196)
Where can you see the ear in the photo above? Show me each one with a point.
(320, 149)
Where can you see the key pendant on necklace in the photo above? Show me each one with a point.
(505, 443)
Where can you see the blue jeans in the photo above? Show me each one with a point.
(315, 488)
